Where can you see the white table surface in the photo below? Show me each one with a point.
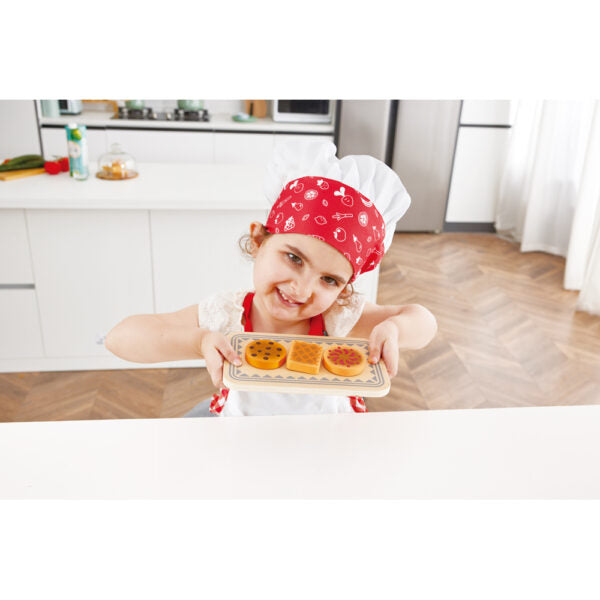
(546, 452)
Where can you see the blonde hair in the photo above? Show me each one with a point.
(248, 245)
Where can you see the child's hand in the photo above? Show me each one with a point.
(384, 340)
(214, 347)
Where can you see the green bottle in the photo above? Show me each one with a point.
(78, 151)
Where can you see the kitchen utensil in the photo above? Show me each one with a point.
(112, 103)
(256, 108)
(243, 118)
(134, 104)
(190, 104)
(374, 381)
(50, 109)
(10, 175)
(116, 165)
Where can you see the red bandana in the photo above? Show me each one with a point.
(335, 213)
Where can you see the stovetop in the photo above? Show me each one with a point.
(147, 114)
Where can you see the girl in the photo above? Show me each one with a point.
(330, 221)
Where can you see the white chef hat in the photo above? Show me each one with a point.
(366, 174)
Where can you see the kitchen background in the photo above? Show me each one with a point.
(79, 256)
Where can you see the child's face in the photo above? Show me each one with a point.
(297, 276)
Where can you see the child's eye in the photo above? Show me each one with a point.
(293, 258)
(298, 261)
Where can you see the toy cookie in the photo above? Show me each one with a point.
(344, 360)
(265, 354)
(304, 357)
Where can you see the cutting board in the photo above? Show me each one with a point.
(18, 173)
(374, 381)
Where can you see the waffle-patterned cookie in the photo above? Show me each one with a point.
(344, 360)
(304, 357)
(265, 354)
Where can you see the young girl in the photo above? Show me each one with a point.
(331, 220)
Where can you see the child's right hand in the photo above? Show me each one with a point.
(214, 347)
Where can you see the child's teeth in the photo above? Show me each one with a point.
(286, 298)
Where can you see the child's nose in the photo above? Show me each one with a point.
(302, 288)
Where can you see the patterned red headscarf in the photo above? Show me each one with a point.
(335, 213)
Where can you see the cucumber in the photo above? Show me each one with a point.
(27, 161)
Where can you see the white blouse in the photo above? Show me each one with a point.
(223, 312)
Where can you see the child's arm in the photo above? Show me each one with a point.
(391, 328)
(170, 336)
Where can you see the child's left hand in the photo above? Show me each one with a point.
(383, 341)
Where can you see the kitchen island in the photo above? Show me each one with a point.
(546, 452)
(86, 254)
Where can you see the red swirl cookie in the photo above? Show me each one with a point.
(344, 360)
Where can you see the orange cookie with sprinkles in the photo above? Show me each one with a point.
(343, 360)
(265, 354)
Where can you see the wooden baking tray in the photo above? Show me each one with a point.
(374, 381)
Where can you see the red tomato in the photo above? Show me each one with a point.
(64, 163)
(51, 167)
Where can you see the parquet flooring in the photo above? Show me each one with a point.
(508, 336)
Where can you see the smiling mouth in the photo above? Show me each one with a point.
(287, 301)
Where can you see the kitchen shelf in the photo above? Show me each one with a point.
(218, 122)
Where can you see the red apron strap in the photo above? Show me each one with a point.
(317, 325)
(247, 308)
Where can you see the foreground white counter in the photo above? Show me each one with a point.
(549, 452)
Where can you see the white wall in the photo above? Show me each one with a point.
(18, 128)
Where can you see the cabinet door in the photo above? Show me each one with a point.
(54, 142)
(19, 323)
(196, 254)
(165, 146)
(478, 165)
(243, 148)
(92, 269)
(15, 260)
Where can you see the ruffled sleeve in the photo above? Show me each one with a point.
(222, 312)
(339, 320)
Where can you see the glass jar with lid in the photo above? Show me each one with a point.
(116, 164)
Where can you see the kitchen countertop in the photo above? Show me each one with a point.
(158, 186)
(222, 122)
(545, 452)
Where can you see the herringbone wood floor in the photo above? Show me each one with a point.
(508, 336)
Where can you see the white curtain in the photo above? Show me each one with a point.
(550, 192)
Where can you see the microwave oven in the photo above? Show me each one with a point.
(303, 111)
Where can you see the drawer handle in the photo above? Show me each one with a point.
(17, 286)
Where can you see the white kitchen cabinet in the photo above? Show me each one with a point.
(20, 335)
(196, 254)
(54, 142)
(243, 148)
(93, 268)
(164, 146)
(478, 165)
(487, 112)
(15, 259)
